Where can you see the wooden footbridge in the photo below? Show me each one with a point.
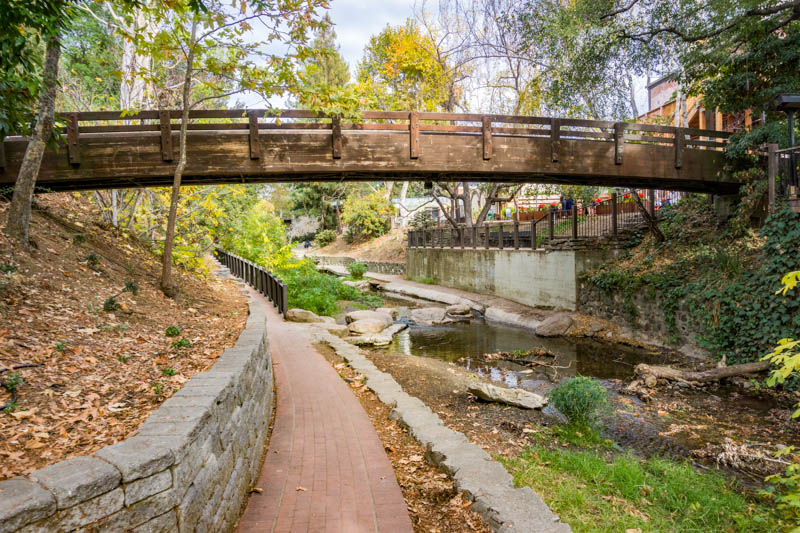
(110, 149)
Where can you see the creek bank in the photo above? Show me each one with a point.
(362, 328)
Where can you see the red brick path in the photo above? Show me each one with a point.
(325, 469)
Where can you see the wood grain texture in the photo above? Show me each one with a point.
(136, 159)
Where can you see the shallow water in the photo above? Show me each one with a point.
(678, 421)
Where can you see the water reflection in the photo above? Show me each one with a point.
(466, 343)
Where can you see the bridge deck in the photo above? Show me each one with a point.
(106, 150)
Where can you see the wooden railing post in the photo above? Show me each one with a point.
(533, 233)
(487, 138)
(551, 222)
(284, 299)
(255, 145)
(555, 138)
(461, 235)
(516, 234)
(486, 239)
(73, 144)
(474, 237)
(336, 136)
(614, 214)
(166, 135)
(413, 131)
(619, 142)
(680, 142)
(772, 163)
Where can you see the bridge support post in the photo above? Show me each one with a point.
(533, 234)
(73, 144)
(574, 221)
(772, 163)
(461, 236)
(474, 237)
(651, 206)
(551, 221)
(516, 234)
(500, 236)
(614, 214)
(486, 239)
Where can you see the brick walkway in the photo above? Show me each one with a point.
(325, 469)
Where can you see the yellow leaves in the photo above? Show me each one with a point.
(789, 282)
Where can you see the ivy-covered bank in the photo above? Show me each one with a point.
(712, 283)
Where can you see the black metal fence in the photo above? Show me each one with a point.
(601, 219)
(257, 277)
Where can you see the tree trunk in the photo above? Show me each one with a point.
(168, 286)
(651, 223)
(19, 212)
(650, 373)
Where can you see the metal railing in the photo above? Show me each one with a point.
(784, 176)
(602, 219)
(257, 277)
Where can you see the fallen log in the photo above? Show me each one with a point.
(650, 374)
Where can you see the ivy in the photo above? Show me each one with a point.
(729, 290)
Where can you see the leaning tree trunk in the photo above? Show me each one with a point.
(650, 374)
(651, 222)
(168, 286)
(19, 213)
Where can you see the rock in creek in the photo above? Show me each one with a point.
(376, 339)
(361, 285)
(554, 326)
(459, 310)
(430, 316)
(354, 316)
(301, 315)
(392, 312)
(367, 325)
(515, 397)
(339, 330)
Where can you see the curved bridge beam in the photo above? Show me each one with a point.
(109, 150)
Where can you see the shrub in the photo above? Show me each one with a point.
(580, 399)
(314, 291)
(168, 371)
(183, 343)
(325, 237)
(357, 270)
(172, 331)
(110, 304)
(421, 220)
(367, 217)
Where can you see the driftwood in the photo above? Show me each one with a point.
(650, 374)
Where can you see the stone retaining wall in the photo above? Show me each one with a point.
(381, 267)
(189, 467)
(641, 317)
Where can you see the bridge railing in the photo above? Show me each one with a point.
(487, 126)
(257, 277)
(607, 218)
(784, 176)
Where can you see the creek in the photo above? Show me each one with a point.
(700, 423)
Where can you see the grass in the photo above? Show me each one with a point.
(424, 279)
(596, 490)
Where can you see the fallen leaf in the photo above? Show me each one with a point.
(21, 415)
(301, 489)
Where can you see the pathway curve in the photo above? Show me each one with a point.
(326, 469)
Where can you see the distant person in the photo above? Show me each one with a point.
(307, 244)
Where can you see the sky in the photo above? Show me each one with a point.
(355, 21)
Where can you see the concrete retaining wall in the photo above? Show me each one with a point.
(381, 267)
(189, 467)
(537, 278)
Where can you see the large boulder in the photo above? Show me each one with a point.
(429, 316)
(354, 316)
(391, 311)
(302, 315)
(340, 330)
(554, 326)
(459, 310)
(367, 325)
(361, 285)
(515, 397)
(376, 339)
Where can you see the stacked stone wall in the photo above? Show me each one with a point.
(381, 267)
(189, 467)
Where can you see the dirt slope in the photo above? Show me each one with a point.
(100, 373)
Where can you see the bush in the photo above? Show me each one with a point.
(580, 399)
(422, 220)
(367, 217)
(357, 270)
(314, 291)
(325, 237)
